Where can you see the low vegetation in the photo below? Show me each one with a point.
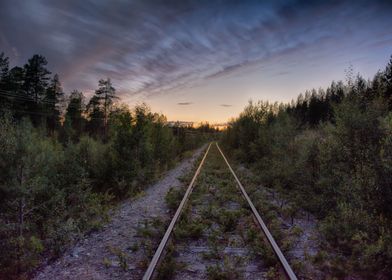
(215, 219)
(329, 153)
(64, 160)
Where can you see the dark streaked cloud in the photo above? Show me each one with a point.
(157, 47)
(226, 70)
(225, 105)
(184, 103)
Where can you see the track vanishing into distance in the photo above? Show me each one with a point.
(216, 231)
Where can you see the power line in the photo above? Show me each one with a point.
(42, 113)
(26, 99)
(21, 98)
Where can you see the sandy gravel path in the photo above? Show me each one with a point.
(98, 256)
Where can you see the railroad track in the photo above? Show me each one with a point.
(266, 235)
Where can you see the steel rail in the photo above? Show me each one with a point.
(153, 264)
(287, 268)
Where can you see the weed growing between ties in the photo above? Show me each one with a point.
(215, 222)
(151, 231)
(168, 266)
(226, 271)
(281, 217)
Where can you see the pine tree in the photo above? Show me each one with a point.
(388, 82)
(106, 93)
(74, 113)
(35, 84)
(95, 124)
(14, 89)
(4, 65)
(53, 103)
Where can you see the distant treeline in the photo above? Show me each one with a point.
(62, 160)
(330, 153)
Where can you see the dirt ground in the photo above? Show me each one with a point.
(112, 253)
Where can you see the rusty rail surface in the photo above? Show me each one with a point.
(287, 268)
(153, 264)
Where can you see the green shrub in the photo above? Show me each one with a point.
(173, 198)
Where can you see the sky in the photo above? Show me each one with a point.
(197, 60)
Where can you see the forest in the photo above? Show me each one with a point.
(66, 160)
(330, 153)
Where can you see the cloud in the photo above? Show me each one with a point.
(281, 73)
(226, 70)
(157, 47)
(225, 105)
(184, 103)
